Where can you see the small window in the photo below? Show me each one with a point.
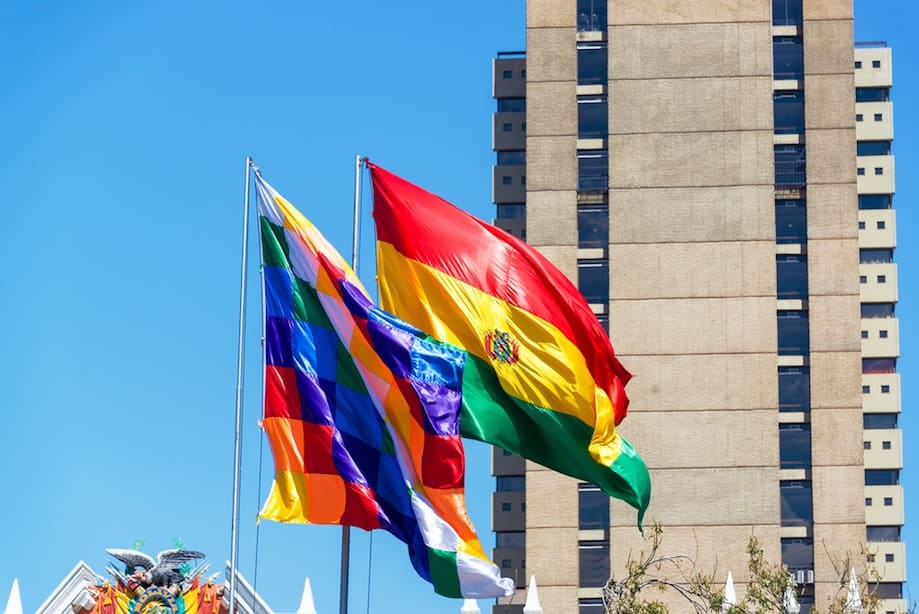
(878, 170)
(862, 279)
(888, 501)
(507, 74)
(523, 126)
(867, 445)
(885, 445)
(885, 389)
(858, 64)
(868, 501)
(507, 127)
(861, 170)
(878, 117)
(505, 563)
(859, 117)
(505, 507)
(861, 225)
(523, 73)
(882, 334)
(888, 558)
(523, 506)
(864, 334)
(506, 180)
(882, 225)
(875, 63)
(866, 389)
(882, 279)
(523, 179)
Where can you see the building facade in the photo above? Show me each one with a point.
(717, 178)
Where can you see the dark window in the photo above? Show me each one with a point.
(510, 483)
(882, 534)
(505, 563)
(793, 333)
(797, 507)
(786, 12)
(864, 334)
(872, 94)
(875, 63)
(593, 170)
(592, 68)
(593, 564)
(888, 590)
(878, 117)
(794, 389)
(874, 201)
(790, 165)
(523, 126)
(882, 279)
(593, 280)
(879, 365)
(511, 211)
(787, 59)
(866, 389)
(860, 171)
(523, 73)
(593, 605)
(593, 226)
(872, 148)
(868, 502)
(790, 221)
(512, 105)
(861, 225)
(592, 15)
(507, 127)
(506, 180)
(593, 117)
(881, 224)
(523, 179)
(885, 445)
(507, 74)
(510, 539)
(858, 64)
(877, 310)
(878, 170)
(791, 277)
(862, 279)
(888, 558)
(794, 446)
(512, 158)
(882, 334)
(505, 507)
(867, 445)
(789, 112)
(798, 553)
(866, 256)
(879, 421)
(859, 117)
(593, 507)
(885, 389)
(888, 501)
(882, 477)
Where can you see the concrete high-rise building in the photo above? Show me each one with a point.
(717, 178)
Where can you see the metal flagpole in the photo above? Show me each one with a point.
(237, 450)
(355, 254)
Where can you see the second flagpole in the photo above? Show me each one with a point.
(355, 256)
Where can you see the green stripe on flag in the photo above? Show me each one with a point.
(552, 439)
(444, 575)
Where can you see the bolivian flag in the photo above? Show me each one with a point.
(541, 379)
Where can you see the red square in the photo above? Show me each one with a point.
(361, 509)
(317, 449)
(443, 462)
(281, 397)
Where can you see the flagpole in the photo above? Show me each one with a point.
(355, 255)
(237, 448)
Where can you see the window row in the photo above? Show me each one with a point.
(882, 334)
(508, 507)
(879, 365)
(509, 127)
(509, 74)
(882, 477)
(885, 445)
(878, 170)
(880, 224)
(875, 201)
(794, 446)
(881, 279)
(509, 180)
(874, 64)
(879, 421)
(591, 15)
(877, 310)
(872, 148)
(593, 563)
(878, 117)
(888, 558)
(888, 501)
(866, 388)
(512, 105)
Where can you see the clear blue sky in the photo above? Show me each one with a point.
(124, 128)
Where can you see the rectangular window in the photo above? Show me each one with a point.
(794, 446)
(788, 112)
(879, 365)
(506, 180)
(505, 507)
(888, 590)
(592, 69)
(866, 389)
(592, 15)
(882, 534)
(793, 333)
(507, 127)
(885, 389)
(874, 201)
(862, 279)
(885, 445)
(868, 502)
(882, 477)
(872, 148)
(881, 224)
(878, 170)
(858, 64)
(787, 59)
(593, 280)
(507, 74)
(872, 94)
(593, 170)
(888, 558)
(867, 445)
(882, 334)
(593, 564)
(593, 507)
(593, 226)
(510, 483)
(888, 501)
(591, 605)
(790, 221)
(791, 277)
(512, 105)
(879, 421)
(510, 539)
(875, 63)
(868, 256)
(861, 225)
(512, 158)
(864, 334)
(878, 117)
(511, 211)
(859, 117)
(882, 279)
(787, 13)
(860, 171)
(797, 506)
(798, 553)
(790, 165)
(794, 389)
(593, 117)
(877, 310)
(505, 563)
